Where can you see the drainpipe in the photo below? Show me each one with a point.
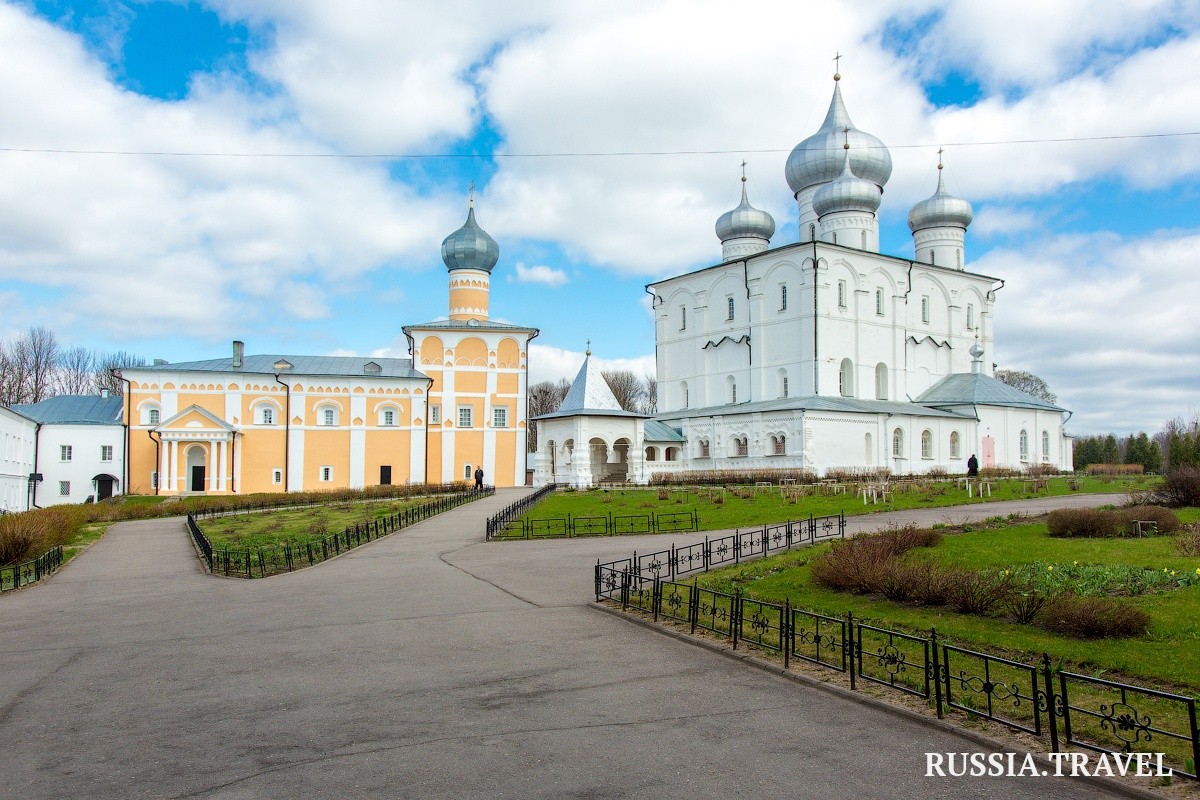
(157, 458)
(525, 453)
(34, 484)
(287, 430)
(749, 326)
(116, 373)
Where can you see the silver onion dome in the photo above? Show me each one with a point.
(745, 221)
(848, 192)
(818, 159)
(942, 210)
(470, 247)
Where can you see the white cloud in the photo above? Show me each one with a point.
(992, 220)
(548, 363)
(539, 273)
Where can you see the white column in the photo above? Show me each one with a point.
(173, 465)
(213, 466)
(237, 464)
(222, 479)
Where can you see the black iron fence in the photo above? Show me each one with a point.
(15, 576)
(262, 561)
(498, 524)
(229, 505)
(1100, 715)
(599, 525)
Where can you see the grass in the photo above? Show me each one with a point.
(295, 526)
(768, 505)
(1168, 656)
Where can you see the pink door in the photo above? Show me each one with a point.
(989, 451)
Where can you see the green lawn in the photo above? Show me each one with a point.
(768, 504)
(296, 526)
(1168, 656)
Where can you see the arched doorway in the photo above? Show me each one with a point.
(599, 460)
(196, 462)
(105, 486)
(619, 469)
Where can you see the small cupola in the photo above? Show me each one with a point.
(939, 225)
(744, 230)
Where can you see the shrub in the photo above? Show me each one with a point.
(1041, 471)
(972, 592)
(29, 534)
(1187, 543)
(1115, 469)
(1163, 518)
(859, 564)
(917, 580)
(1025, 602)
(1082, 522)
(1093, 617)
(1181, 487)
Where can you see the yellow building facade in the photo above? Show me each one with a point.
(271, 423)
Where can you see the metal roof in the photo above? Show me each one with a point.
(75, 409)
(845, 405)
(334, 366)
(969, 388)
(590, 396)
(471, 324)
(655, 431)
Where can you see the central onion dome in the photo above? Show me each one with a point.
(818, 159)
(745, 221)
(942, 210)
(847, 193)
(470, 247)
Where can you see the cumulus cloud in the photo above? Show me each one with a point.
(540, 273)
(549, 363)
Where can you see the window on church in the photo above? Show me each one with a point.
(783, 297)
(500, 417)
(277, 476)
(881, 381)
(467, 473)
(683, 318)
(651, 454)
(955, 445)
(672, 454)
(388, 418)
(879, 302)
(846, 378)
(841, 294)
(1024, 445)
(779, 445)
(703, 448)
(925, 309)
(465, 416)
(898, 443)
(326, 474)
(731, 391)
(683, 393)
(435, 414)
(926, 444)
(970, 317)
(728, 308)
(328, 416)
(741, 446)
(152, 415)
(1045, 445)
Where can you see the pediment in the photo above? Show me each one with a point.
(194, 418)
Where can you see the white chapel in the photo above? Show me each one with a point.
(817, 354)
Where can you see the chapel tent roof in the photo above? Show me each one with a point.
(74, 409)
(590, 396)
(969, 388)
(331, 366)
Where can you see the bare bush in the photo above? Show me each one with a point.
(1093, 617)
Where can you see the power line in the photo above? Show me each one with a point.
(578, 154)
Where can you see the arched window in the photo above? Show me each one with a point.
(741, 446)
(841, 294)
(879, 302)
(652, 454)
(683, 393)
(783, 297)
(970, 316)
(869, 442)
(152, 415)
(846, 378)
(881, 381)
(926, 444)
(898, 443)
(1024, 445)
(672, 454)
(703, 445)
(683, 318)
(327, 414)
(731, 385)
(955, 445)
(783, 382)
(779, 445)
(728, 308)
(1045, 445)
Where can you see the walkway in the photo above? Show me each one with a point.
(426, 664)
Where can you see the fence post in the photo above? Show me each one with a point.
(656, 597)
(1048, 698)
(694, 605)
(785, 631)
(735, 614)
(706, 554)
(937, 671)
(850, 647)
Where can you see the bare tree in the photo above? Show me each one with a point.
(626, 387)
(651, 404)
(545, 398)
(1027, 382)
(76, 371)
(103, 377)
(41, 351)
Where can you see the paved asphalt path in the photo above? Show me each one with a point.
(427, 664)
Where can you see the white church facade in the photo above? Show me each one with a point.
(818, 354)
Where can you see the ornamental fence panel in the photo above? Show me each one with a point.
(14, 576)
(594, 525)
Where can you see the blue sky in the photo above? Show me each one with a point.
(287, 219)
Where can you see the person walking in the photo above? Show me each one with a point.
(972, 466)
(479, 477)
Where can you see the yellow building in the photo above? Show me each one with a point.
(266, 423)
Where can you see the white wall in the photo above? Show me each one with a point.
(85, 464)
(16, 459)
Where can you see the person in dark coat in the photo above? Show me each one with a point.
(972, 466)
(479, 477)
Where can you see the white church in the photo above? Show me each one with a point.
(818, 354)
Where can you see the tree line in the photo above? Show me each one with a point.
(633, 393)
(1176, 444)
(35, 366)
